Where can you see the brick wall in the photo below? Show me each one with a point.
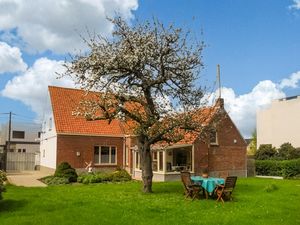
(69, 145)
(228, 157)
(230, 153)
(200, 157)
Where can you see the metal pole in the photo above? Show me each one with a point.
(219, 79)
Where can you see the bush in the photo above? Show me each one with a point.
(52, 180)
(268, 167)
(116, 176)
(265, 152)
(64, 170)
(3, 176)
(2, 179)
(120, 175)
(284, 168)
(287, 152)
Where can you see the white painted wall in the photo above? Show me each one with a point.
(48, 144)
(279, 123)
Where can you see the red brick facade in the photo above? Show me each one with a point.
(228, 156)
(77, 149)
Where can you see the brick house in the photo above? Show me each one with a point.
(109, 145)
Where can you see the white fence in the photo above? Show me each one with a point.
(22, 161)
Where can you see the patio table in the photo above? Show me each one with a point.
(209, 184)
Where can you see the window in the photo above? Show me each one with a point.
(154, 161)
(24, 150)
(105, 155)
(137, 160)
(161, 161)
(18, 134)
(126, 155)
(19, 150)
(39, 134)
(214, 138)
(43, 153)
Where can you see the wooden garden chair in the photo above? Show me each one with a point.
(191, 189)
(226, 189)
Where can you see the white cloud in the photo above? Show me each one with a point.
(242, 108)
(296, 4)
(31, 87)
(55, 25)
(11, 59)
(291, 82)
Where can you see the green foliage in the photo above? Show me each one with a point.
(119, 175)
(253, 144)
(287, 151)
(3, 176)
(2, 179)
(66, 171)
(52, 180)
(265, 152)
(284, 168)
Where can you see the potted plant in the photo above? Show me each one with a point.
(205, 173)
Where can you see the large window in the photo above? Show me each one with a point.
(18, 134)
(105, 155)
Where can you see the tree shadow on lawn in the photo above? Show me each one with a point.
(11, 205)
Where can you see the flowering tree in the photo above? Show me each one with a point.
(145, 73)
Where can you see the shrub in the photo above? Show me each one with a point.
(52, 180)
(66, 171)
(290, 168)
(265, 152)
(287, 152)
(285, 168)
(268, 167)
(3, 176)
(2, 179)
(116, 176)
(120, 175)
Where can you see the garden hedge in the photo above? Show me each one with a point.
(284, 168)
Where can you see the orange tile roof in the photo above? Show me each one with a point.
(203, 116)
(65, 101)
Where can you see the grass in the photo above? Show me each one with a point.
(256, 201)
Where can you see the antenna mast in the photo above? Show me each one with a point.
(219, 79)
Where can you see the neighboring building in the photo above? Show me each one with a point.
(25, 137)
(109, 145)
(280, 123)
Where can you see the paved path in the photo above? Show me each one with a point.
(27, 178)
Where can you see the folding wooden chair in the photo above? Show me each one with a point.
(226, 189)
(190, 189)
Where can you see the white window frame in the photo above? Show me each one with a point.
(137, 160)
(216, 142)
(109, 157)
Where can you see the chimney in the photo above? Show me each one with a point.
(220, 103)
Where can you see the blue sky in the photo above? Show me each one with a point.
(256, 43)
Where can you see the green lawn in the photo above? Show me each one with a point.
(125, 204)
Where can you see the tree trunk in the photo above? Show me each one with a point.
(146, 163)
